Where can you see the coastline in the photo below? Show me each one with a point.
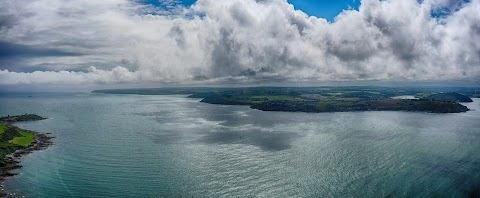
(332, 105)
(12, 161)
(322, 99)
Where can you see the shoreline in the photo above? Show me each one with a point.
(406, 105)
(13, 160)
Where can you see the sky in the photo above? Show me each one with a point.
(209, 42)
(327, 9)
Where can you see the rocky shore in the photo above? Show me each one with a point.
(11, 161)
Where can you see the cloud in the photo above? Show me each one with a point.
(247, 40)
(116, 75)
(15, 50)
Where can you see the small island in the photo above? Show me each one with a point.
(16, 142)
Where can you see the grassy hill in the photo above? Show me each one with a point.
(12, 139)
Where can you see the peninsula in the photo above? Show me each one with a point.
(322, 99)
(15, 142)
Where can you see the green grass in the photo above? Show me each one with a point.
(27, 139)
(13, 139)
(6, 144)
(3, 128)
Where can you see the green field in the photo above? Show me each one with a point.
(12, 139)
(2, 129)
(26, 139)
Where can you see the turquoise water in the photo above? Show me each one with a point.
(172, 146)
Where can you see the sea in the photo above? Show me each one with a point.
(174, 146)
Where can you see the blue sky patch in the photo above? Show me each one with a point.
(327, 9)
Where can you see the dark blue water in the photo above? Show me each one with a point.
(172, 146)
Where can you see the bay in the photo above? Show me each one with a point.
(173, 146)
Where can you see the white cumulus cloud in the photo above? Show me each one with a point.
(122, 41)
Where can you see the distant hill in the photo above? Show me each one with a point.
(454, 97)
